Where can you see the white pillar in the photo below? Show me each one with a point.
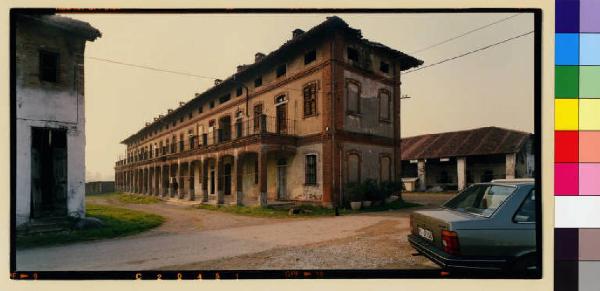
(511, 162)
(461, 172)
(422, 175)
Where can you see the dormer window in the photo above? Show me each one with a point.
(258, 82)
(281, 70)
(384, 67)
(224, 98)
(310, 57)
(352, 54)
(238, 92)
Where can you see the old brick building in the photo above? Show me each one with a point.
(50, 116)
(295, 125)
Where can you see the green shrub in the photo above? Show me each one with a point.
(355, 192)
(370, 190)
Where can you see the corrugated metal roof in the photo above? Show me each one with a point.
(473, 142)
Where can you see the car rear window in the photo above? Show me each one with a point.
(480, 200)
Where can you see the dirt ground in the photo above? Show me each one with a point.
(182, 217)
(196, 239)
(382, 245)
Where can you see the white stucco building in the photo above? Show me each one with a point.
(50, 116)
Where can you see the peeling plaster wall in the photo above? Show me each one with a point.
(53, 105)
(368, 120)
(370, 158)
(295, 175)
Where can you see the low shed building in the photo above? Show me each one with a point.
(453, 160)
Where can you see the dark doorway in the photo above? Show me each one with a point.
(281, 118)
(227, 179)
(48, 172)
(212, 180)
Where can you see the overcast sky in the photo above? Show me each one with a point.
(493, 87)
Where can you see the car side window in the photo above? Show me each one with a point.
(526, 212)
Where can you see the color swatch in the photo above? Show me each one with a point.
(577, 145)
(577, 93)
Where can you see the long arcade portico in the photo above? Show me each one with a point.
(232, 171)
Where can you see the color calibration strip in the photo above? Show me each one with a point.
(577, 145)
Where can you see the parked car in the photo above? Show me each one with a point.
(487, 226)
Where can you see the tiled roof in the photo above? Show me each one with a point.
(473, 142)
(325, 28)
(74, 26)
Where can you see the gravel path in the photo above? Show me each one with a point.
(196, 239)
(158, 251)
(381, 245)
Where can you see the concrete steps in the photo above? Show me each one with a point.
(45, 225)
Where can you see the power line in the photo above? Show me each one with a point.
(464, 34)
(470, 52)
(152, 68)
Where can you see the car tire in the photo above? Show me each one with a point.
(525, 265)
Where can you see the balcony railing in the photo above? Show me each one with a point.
(226, 132)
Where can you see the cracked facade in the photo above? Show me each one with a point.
(50, 116)
(296, 125)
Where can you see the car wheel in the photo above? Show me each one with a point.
(526, 265)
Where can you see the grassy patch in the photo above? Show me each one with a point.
(137, 199)
(117, 222)
(310, 211)
(269, 211)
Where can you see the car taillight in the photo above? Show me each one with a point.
(450, 242)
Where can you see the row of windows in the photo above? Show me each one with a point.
(309, 93)
(280, 71)
(354, 56)
(353, 97)
(354, 166)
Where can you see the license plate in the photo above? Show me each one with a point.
(426, 234)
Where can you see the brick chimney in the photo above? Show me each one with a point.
(258, 57)
(297, 32)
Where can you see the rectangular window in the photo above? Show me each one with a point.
(310, 57)
(384, 105)
(190, 115)
(211, 104)
(258, 82)
(310, 99)
(384, 67)
(257, 114)
(200, 109)
(281, 70)
(352, 54)
(311, 170)
(352, 97)
(224, 98)
(181, 142)
(48, 66)
(238, 91)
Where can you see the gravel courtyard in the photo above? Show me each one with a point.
(196, 239)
